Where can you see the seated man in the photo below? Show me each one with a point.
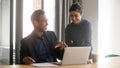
(41, 45)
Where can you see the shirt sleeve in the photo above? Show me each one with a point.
(67, 35)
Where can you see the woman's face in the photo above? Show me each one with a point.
(75, 17)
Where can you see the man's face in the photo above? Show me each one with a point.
(41, 25)
(75, 17)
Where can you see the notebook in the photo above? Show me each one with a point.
(75, 55)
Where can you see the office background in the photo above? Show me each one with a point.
(103, 15)
(12, 20)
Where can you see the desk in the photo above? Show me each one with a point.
(28, 66)
(112, 62)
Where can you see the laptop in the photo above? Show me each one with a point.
(72, 56)
(75, 55)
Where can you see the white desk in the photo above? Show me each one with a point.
(111, 62)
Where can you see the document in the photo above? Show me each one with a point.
(43, 64)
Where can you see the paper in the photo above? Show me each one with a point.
(43, 64)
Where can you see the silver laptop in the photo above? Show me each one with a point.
(75, 55)
(72, 56)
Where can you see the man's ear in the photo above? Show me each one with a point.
(35, 23)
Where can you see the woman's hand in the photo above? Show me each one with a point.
(28, 60)
(90, 61)
(61, 45)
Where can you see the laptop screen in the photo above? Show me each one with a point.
(76, 55)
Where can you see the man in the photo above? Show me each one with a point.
(41, 45)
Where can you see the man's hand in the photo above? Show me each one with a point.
(61, 45)
(28, 60)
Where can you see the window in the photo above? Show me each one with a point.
(28, 7)
(49, 7)
(4, 31)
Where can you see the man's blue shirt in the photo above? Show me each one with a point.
(44, 52)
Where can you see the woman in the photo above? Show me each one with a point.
(78, 32)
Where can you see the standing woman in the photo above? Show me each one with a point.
(78, 32)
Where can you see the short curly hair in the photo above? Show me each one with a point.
(76, 7)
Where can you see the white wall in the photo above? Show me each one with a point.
(106, 33)
(4, 31)
(5, 23)
(109, 25)
(0, 20)
(91, 14)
